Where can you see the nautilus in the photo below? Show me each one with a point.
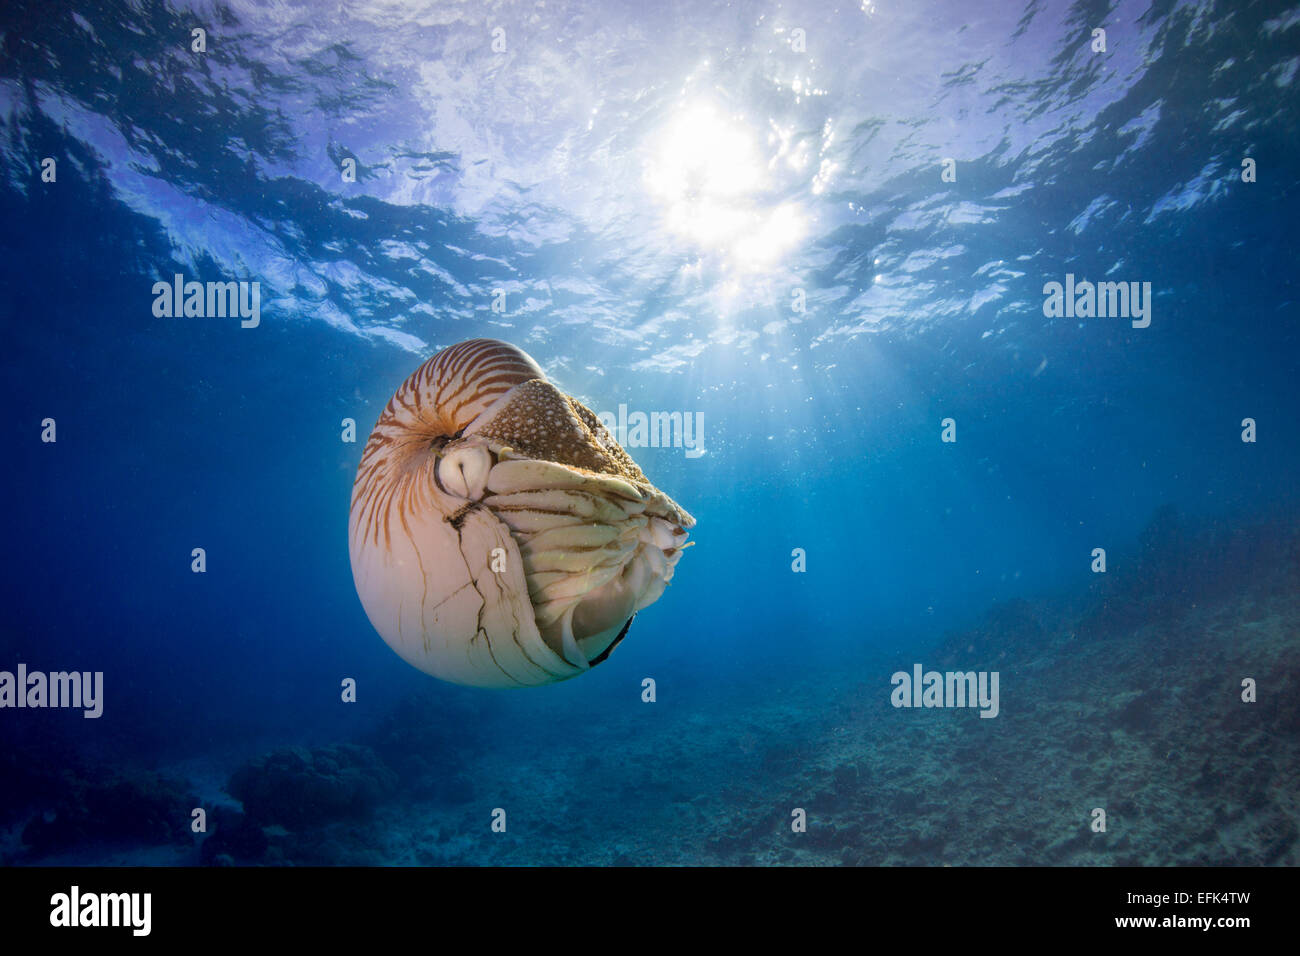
(500, 536)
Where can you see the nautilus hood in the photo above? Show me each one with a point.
(499, 535)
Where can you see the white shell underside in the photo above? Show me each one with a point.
(482, 567)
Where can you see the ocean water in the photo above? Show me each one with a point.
(825, 235)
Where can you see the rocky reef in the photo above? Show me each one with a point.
(1128, 701)
(112, 807)
(300, 788)
(1131, 698)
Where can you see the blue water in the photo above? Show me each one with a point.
(652, 188)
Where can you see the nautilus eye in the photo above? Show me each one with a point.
(499, 535)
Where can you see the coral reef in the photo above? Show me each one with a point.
(300, 788)
(145, 808)
(1129, 701)
(428, 739)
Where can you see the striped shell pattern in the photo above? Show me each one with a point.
(499, 535)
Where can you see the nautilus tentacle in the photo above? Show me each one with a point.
(499, 535)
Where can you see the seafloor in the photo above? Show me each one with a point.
(1126, 698)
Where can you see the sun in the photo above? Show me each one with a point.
(706, 170)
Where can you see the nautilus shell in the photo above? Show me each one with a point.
(499, 535)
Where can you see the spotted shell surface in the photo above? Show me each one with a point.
(499, 534)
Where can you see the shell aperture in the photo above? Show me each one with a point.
(499, 534)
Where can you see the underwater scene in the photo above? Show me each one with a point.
(669, 434)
